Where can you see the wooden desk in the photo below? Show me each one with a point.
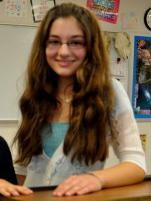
(138, 192)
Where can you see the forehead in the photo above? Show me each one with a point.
(66, 26)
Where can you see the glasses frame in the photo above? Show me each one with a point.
(74, 44)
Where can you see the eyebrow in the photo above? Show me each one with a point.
(74, 36)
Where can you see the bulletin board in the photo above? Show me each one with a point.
(24, 12)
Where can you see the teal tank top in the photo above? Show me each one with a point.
(52, 136)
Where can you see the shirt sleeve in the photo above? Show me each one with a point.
(126, 140)
(20, 170)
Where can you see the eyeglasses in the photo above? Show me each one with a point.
(75, 44)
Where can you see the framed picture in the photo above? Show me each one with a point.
(141, 90)
(40, 7)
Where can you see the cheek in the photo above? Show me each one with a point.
(49, 54)
(81, 55)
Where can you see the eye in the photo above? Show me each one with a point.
(76, 43)
(53, 42)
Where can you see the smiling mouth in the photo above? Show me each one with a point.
(64, 62)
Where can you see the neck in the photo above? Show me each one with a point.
(65, 90)
(65, 85)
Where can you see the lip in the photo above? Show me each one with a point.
(64, 63)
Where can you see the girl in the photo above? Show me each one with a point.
(72, 110)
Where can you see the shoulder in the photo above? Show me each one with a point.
(122, 101)
(118, 87)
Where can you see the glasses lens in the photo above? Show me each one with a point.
(76, 44)
(73, 44)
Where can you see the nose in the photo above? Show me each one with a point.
(64, 49)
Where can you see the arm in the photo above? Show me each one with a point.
(21, 172)
(122, 174)
(21, 179)
(127, 146)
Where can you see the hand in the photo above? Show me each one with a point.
(8, 189)
(79, 185)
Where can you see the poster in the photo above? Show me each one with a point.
(106, 10)
(40, 7)
(141, 91)
(16, 8)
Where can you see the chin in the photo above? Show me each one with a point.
(65, 74)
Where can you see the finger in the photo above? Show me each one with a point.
(73, 190)
(4, 192)
(10, 190)
(65, 186)
(61, 190)
(18, 190)
(14, 192)
(24, 190)
(88, 188)
(84, 190)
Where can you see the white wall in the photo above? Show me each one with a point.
(138, 7)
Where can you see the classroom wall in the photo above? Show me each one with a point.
(133, 11)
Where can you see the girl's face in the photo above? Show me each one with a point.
(65, 50)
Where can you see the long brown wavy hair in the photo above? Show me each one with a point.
(92, 88)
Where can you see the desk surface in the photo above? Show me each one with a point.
(136, 191)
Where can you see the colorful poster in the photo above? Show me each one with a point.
(141, 92)
(106, 10)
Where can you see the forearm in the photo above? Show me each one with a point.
(20, 179)
(123, 174)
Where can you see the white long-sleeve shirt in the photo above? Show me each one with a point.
(44, 170)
